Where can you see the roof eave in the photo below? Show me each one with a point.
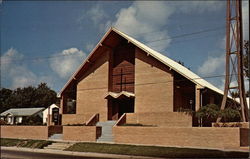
(85, 61)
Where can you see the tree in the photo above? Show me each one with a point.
(32, 120)
(44, 96)
(230, 115)
(209, 113)
(246, 58)
(41, 96)
(4, 95)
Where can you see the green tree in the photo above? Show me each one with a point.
(246, 61)
(4, 95)
(246, 58)
(44, 96)
(230, 115)
(32, 120)
(209, 113)
(41, 96)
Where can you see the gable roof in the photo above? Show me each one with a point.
(21, 111)
(165, 60)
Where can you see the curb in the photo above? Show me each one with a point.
(82, 154)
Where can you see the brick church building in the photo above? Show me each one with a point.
(122, 75)
(126, 93)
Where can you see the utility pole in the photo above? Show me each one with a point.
(234, 59)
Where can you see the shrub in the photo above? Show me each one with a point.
(230, 114)
(32, 120)
(211, 112)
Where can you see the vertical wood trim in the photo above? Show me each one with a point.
(110, 80)
(61, 105)
(197, 98)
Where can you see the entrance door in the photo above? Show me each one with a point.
(117, 107)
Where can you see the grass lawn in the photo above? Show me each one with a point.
(24, 143)
(154, 151)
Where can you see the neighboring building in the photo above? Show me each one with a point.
(16, 115)
(48, 111)
(247, 99)
(247, 102)
(122, 75)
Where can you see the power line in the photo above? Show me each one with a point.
(168, 28)
(37, 58)
(169, 81)
(174, 37)
(187, 40)
(184, 35)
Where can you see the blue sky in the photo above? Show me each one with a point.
(47, 41)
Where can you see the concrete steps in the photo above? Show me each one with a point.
(58, 146)
(56, 137)
(107, 135)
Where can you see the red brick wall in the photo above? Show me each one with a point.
(165, 119)
(93, 88)
(24, 132)
(153, 85)
(75, 118)
(79, 133)
(190, 137)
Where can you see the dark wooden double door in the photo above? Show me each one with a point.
(117, 107)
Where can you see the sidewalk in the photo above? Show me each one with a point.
(82, 154)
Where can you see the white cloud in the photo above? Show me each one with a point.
(145, 17)
(145, 20)
(212, 66)
(10, 56)
(17, 73)
(89, 47)
(96, 14)
(245, 19)
(198, 6)
(21, 77)
(67, 62)
(233, 84)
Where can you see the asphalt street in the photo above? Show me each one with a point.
(11, 154)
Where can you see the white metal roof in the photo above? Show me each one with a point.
(165, 60)
(21, 111)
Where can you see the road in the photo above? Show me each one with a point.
(12, 154)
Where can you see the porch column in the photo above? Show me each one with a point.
(48, 117)
(61, 105)
(197, 97)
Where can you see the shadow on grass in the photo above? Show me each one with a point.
(155, 151)
(25, 143)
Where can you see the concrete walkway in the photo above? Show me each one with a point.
(82, 154)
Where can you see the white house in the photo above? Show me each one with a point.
(16, 115)
(48, 111)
